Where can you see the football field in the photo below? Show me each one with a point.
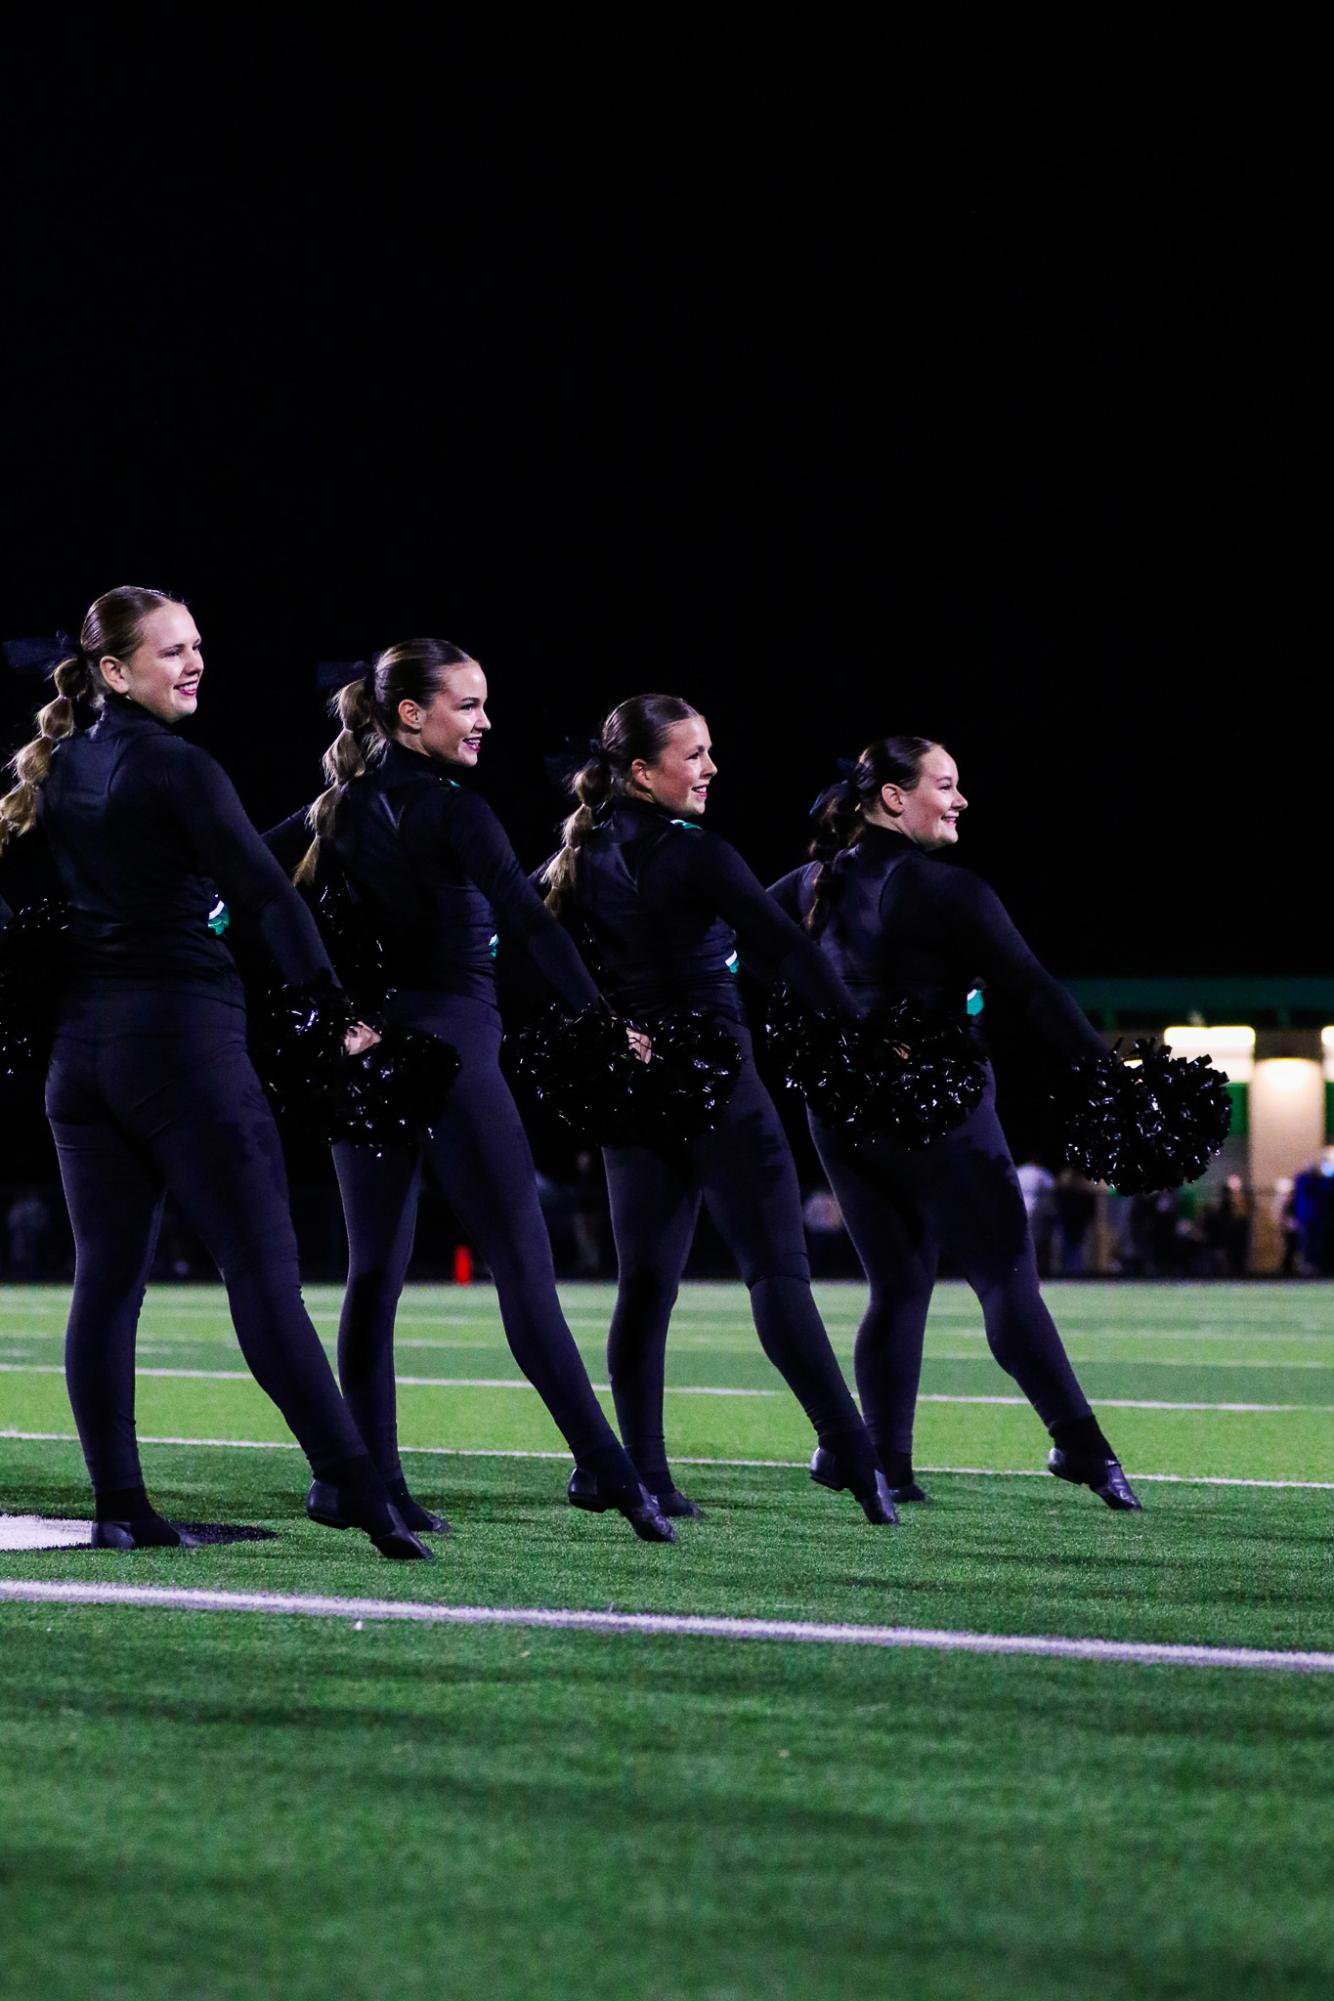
(1017, 1747)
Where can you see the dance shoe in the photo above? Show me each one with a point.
(385, 1526)
(324, 1505)
(143, 1532)
(641, 1509)
(877, 1506)
(1103, 1476)
(673, 1502)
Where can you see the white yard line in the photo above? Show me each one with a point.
(675, 1389)
(678, 1459)
(662, 1625)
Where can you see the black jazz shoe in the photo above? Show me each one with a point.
(674, 1503)
(640, 1508)
(144, 1532)
(386, 1528)
(323, 1505)
(1103, 1476)
(878, 1506)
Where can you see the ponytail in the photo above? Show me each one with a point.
(636, 729)
(347, 757)
(73, 679)
(840, 812)
(593, 786)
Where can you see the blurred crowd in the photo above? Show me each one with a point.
(1204, 1231)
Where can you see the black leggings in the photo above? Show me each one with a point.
(744, 1171)
(902, 1209)
(148, 1091)
(480, 1156)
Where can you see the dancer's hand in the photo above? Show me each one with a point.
(359, 1039)
(639, 1043)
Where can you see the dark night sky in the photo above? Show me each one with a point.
(940, 378)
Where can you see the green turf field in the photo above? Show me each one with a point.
(237, 1804)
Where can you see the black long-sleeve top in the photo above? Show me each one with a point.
(658, 906)
(434, 872)
(901, 923)
(152, 847)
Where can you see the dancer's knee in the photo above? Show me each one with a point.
(794, 1267)
(645, 1289)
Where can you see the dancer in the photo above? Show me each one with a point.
(657, 905)
(150, 1088)
(433, 871)
(893, 923)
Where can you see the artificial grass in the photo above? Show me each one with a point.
(196, 1806)
(247, 1808)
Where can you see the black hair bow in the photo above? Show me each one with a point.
(844, 786)
(39, 656)
(331, 675)
(572, 756)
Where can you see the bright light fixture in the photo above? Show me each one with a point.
(1231, 1047)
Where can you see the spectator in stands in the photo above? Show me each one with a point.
(824, 1231)
(26, 1226)
(1038, 1185)
(1076, 1207)
(1313, 1215)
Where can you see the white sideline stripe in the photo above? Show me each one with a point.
(159, 1341)
(673, 1389)
(159, 1308)
(669, 1625)
(678, 1459)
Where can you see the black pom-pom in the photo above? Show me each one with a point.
(391, 1094)
(581, 1068)
(682, 1092)
(1153, 1122)
(30, 969)
(911, 1075)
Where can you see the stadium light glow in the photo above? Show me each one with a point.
(1231, 1047)
(1287, 1073)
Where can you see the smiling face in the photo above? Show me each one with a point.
(678, 778)
(163, 671)
(928, 813)
(449, 727)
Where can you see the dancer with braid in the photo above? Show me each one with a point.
(893, 922)
(431, 868)
(150, 1088)
(657, 905)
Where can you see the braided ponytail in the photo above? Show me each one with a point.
(840, 812)
(638, 728)
(367, 711)
(592, 785)
(73, 679)
(347, 757)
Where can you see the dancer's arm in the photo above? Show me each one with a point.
(230, 852)
(466, 824)
(707, 868)
(963, 918)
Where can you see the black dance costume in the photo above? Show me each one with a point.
(900, 923)
(434, 874)
(657, 905)
(150, 1089)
